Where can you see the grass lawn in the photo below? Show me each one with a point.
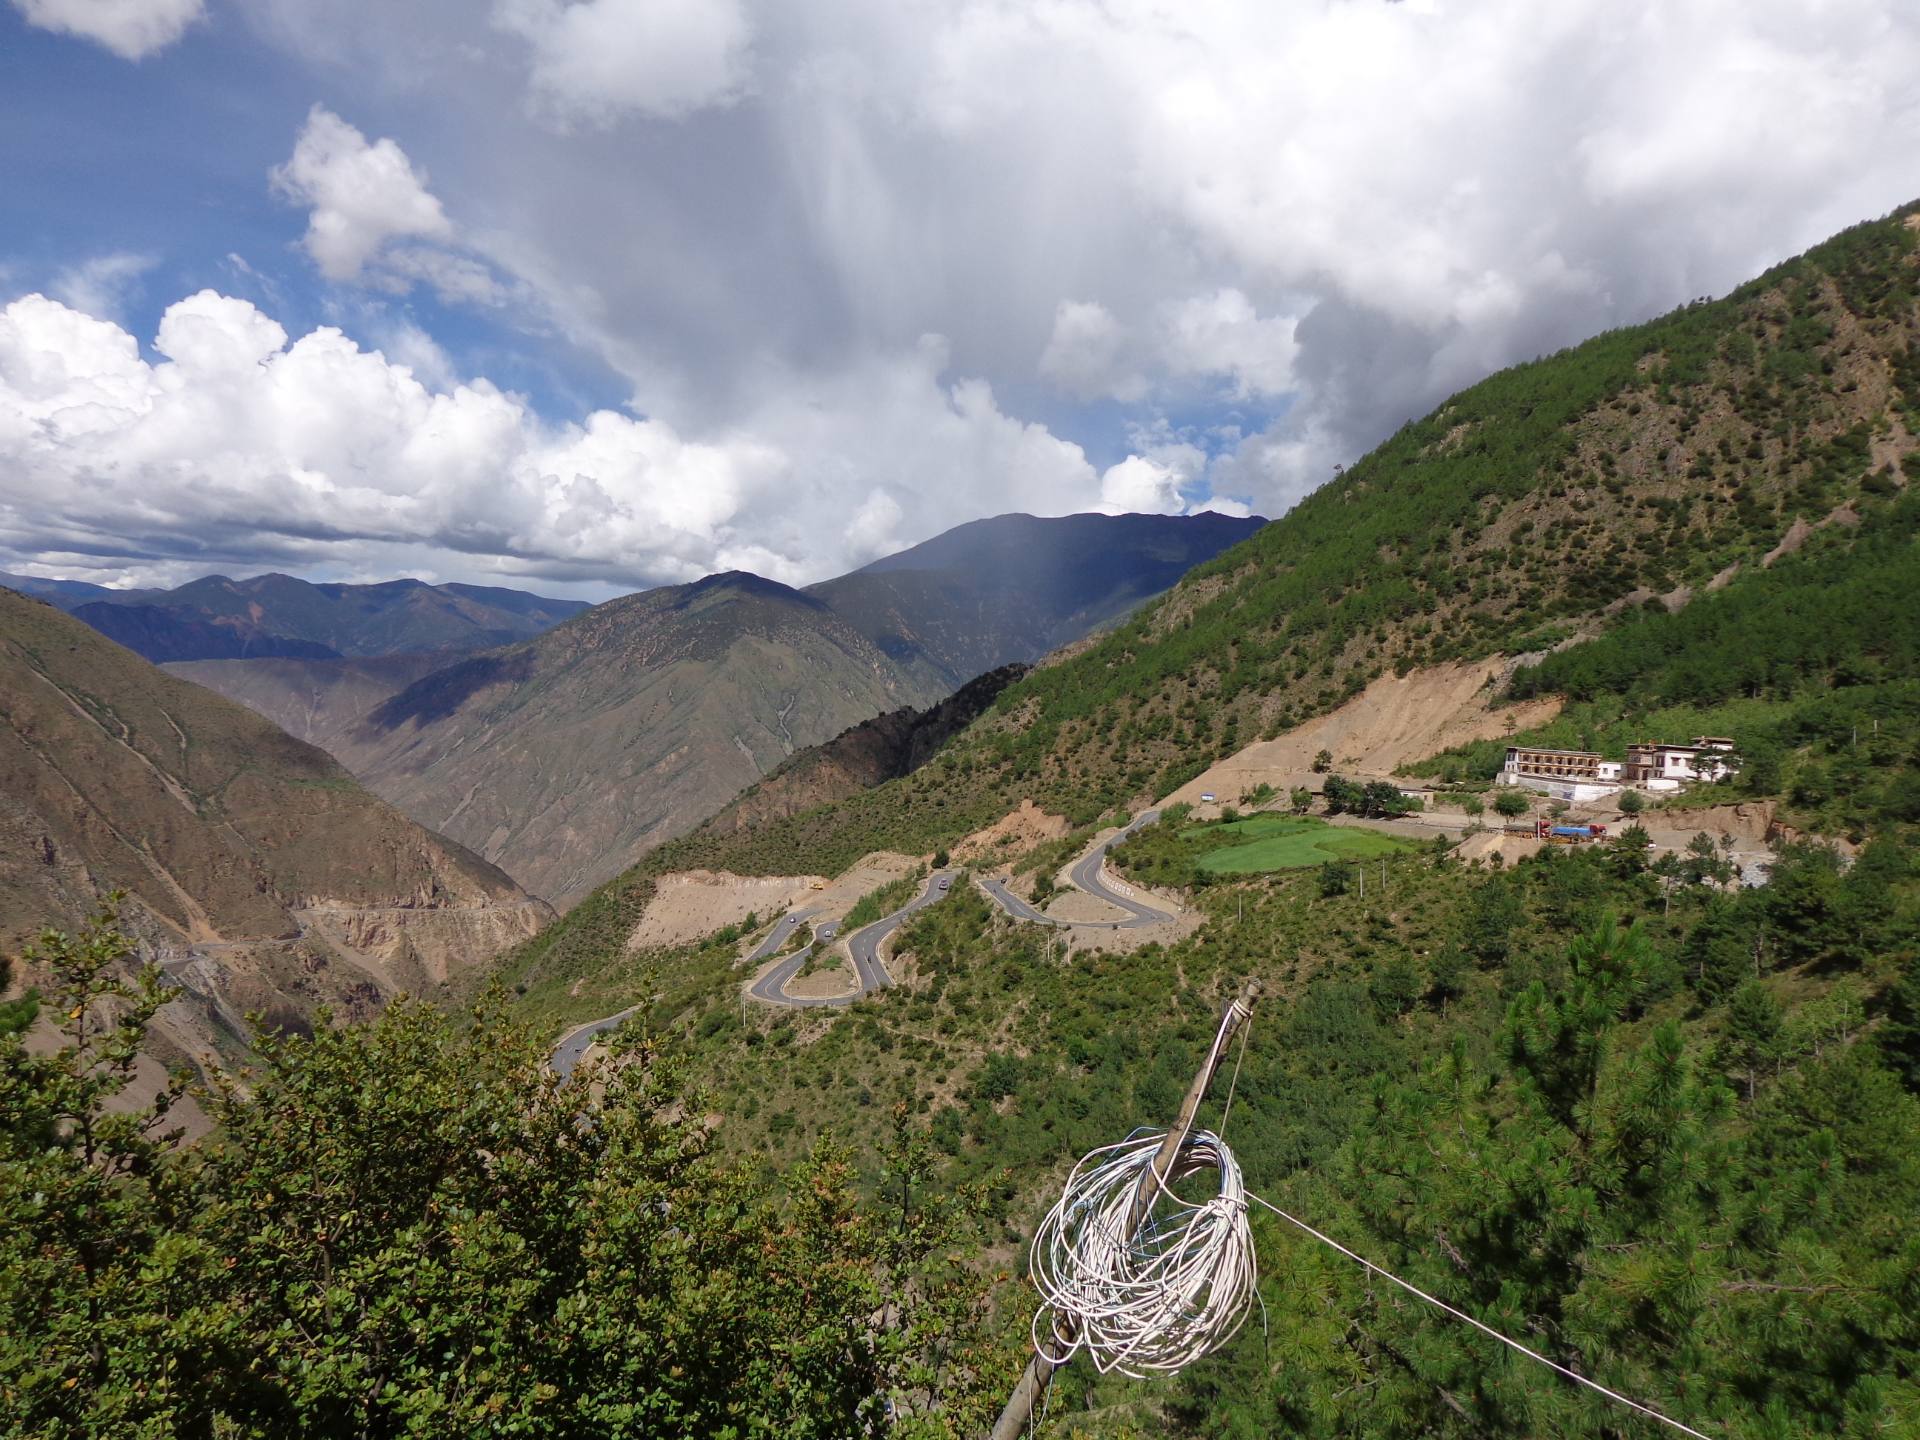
(1285, 842)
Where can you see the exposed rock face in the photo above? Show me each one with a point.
(317, 701)
(256, 871)
(870, 753)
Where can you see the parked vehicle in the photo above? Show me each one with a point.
(1570, 834)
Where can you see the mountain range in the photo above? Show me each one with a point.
(565, 757)
(217, 618)
(253, 867)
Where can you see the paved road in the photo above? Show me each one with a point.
(777, 937)
(863, 945)
(573, 1045)
(1087, 875)
(1019, 909)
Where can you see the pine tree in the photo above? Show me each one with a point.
(1753, 1033)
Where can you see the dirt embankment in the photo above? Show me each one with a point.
(695, 903)
(691, 905)
(1395, 720)
(1018, 831)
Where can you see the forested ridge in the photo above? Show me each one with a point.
(1526, 511)
(1664, 1128)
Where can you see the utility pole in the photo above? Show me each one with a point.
(1033, 1384)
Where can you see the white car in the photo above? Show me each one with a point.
(1207, 797)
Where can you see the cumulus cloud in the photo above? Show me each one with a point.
(131, 29)
(318, 452)
(1221, 334)
(596, 61)
(1267, 234)
(1138, 485)
(360, 195)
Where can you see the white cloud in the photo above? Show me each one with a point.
(99, 285)
(595, 61)
(1084, 353)
(1138, 485)
(1220, 334)
(1282, 229)
(318, 453)
(360, 195)
(131, 29)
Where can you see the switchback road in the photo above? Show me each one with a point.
(576, 1042)
(863, 945)
(1089, 875)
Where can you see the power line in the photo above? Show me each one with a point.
(1484, 1329)
(1146, 1282)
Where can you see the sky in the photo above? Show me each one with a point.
(589, 295)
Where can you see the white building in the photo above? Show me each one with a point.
(1571, 775)
(1664, 768)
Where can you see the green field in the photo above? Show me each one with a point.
(1284, 842)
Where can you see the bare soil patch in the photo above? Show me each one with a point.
(829, 981)
(1123, 942)
(691, 905)
(1076, 905)
(1509, 848)
(868, 873)
(1395, 720)
(1013, 833)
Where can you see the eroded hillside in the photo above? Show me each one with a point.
(255, 869)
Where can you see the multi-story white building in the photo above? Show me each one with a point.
(1658, 767)
(1573, 775)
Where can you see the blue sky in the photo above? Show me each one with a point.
(590, 294)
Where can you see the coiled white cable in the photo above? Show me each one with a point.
(1154, 1301)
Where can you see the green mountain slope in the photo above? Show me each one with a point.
(1811, 666)
(1529, 509)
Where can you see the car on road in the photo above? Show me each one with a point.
(826, 932)
(945, 883)
(1207, 797)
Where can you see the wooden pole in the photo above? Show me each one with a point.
(1033, 1384)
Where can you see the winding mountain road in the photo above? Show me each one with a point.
(1019, 909)
(863, 946)
(576, 1042)
(1089, 876)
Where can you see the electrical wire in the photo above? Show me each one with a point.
(1153, 1297)
(1484, 1329)
(1154, 1301)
